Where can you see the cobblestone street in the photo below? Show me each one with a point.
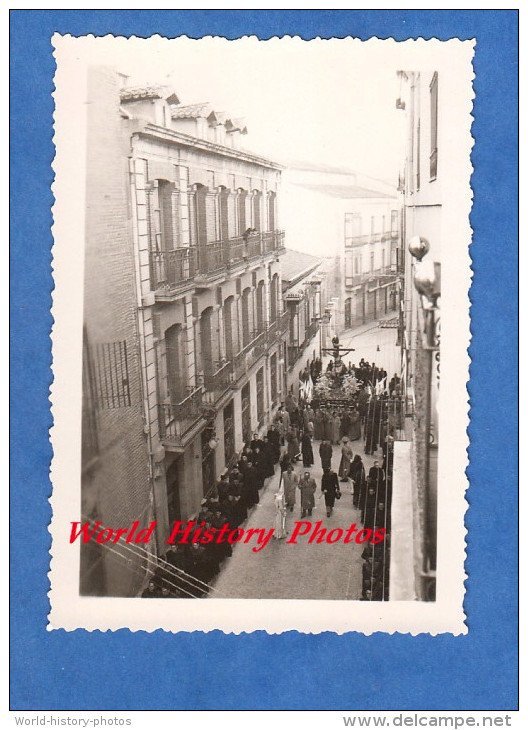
(307, 570)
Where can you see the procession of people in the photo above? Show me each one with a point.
(367, 420)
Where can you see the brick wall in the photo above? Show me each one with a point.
(116, 491)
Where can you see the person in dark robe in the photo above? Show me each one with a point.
(260, 465)
(222, 487)
(330, 489)
(250, 486)
(376, 478)
(267, 459)
(307, 451)
(373, 425)
(274, 440)
(325, 452)
(357, 474)
(256, 442)
(369, 511)
(363, 403)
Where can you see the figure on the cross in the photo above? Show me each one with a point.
(335, 343)
(336, 350)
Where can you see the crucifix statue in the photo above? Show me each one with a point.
(336, 350)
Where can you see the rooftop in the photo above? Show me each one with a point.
(138, 93)
(295, 265)
(345, 192)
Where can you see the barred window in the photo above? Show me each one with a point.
(112, 386)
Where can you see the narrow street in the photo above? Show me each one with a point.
(304, 570)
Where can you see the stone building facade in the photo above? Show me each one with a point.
(356, 219)
(304, 287)
(183, 288)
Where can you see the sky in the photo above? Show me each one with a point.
(323, 101)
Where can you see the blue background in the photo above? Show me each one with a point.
(125, 671)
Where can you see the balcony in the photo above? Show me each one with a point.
(217, 381)
(170, 270)
(177, 419)
(358, 279)
(249, 355)
(174, 271)
(296, 349)
(367, 238)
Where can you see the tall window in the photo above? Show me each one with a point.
(246, 413)
(246, 317)
(260, 396)
(394, 222)
(256, 209)
(198, 215)
(229, 329)
(223, 213)
(352, 227)
(260, 306)
(273, 297)
(271, 212)
(229, 433)
(273, 378)
(176, 375)
(433, 160)
(241, 211)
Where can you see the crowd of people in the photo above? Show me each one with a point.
(188, 569)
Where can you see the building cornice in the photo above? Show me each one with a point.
(163, 134)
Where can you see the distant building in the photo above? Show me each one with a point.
(184, 339)
(304, 291)
(356, 219)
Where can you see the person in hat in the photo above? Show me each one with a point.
(307, 486)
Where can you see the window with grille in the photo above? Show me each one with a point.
(110, 364)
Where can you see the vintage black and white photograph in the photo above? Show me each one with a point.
(260, 368)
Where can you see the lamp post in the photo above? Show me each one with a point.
(427, 282)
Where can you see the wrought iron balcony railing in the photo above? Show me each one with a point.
(249, 355)
(216, 381)
(170, 270)
(175, 419)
